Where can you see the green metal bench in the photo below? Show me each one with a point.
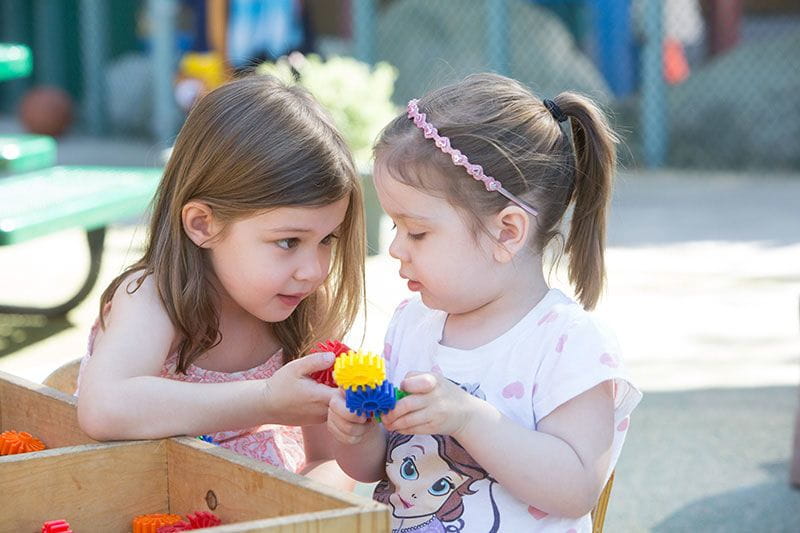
(39, 203)
(22, 153)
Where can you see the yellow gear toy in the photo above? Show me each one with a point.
(358, 369)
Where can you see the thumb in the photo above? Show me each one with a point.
(419, 383)
(314, 363)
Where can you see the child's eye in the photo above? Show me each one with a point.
(416, 236)
(287, 244)
(441, 487)
(329, 239)
(408, 470)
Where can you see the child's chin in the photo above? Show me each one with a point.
(432, 303)
(274, 315)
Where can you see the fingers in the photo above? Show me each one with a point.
(407, 405)
(313, 363)
(418, 383)
(416, 420)
(346, 427)
(321, 393)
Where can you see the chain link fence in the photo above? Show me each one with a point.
(705, 84)
(690, 83)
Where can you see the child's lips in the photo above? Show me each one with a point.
(291, 299)
(413, 285)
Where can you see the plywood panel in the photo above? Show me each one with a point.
(43, 412)
(95, 487)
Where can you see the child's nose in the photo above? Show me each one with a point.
(397, 250)
(310, 269)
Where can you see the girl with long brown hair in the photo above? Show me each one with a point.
(255, 252)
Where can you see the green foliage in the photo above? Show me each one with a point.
(357, 97)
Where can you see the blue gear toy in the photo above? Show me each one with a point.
(371, 401)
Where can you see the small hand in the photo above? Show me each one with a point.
(296, 399)
(346, 427)
(435, 405)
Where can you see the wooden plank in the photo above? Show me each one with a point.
(372, 518)
(43, 412)
(243, 488)
(94, 487)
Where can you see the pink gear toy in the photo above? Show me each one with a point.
(56, 526)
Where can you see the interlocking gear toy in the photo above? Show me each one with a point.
(14, 442)
(356, 369)
(326, 376)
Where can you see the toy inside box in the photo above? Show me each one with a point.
(103, 486)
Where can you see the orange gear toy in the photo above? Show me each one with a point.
(196, 520)
(149, 523)
(14, 442)
(358, 369)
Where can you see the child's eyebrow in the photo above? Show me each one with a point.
(408, 216)
(298, 229)
(291, 229)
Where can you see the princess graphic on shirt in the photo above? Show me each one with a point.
(428, 477)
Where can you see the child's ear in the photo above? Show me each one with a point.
(511, 228)
(198, 223)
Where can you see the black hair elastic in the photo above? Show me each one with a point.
(556, 111)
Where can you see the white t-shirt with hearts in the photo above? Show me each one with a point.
(556, 352)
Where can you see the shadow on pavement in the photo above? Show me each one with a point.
(20, 331)
(708, 460)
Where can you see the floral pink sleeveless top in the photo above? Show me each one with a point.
(280, 446)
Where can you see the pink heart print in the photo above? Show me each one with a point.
(549, 317)
(538, 514)
(624, 424)
(609, 360)
(561, 341)
(514, 390)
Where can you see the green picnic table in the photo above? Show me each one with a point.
(16, 61)
(39, 203)
(21, 153)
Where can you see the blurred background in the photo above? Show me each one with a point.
(662, 67)
(704, 238)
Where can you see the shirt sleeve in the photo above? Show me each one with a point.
(580, 356)
(392, 339)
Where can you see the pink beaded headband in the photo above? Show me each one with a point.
(459, 159)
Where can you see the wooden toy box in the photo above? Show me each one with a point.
(102, 486)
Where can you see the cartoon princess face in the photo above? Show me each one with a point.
(422, 479)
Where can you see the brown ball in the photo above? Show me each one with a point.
(46, 110)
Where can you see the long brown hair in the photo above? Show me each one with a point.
(251, 145)
(501, 125)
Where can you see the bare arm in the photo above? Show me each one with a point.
(123, 397)
(559, 468)
(320, 463)
(359, 444)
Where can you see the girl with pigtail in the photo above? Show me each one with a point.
(477, 177)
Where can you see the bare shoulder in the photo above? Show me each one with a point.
(137, 329)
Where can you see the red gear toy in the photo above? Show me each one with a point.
(326, 376)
